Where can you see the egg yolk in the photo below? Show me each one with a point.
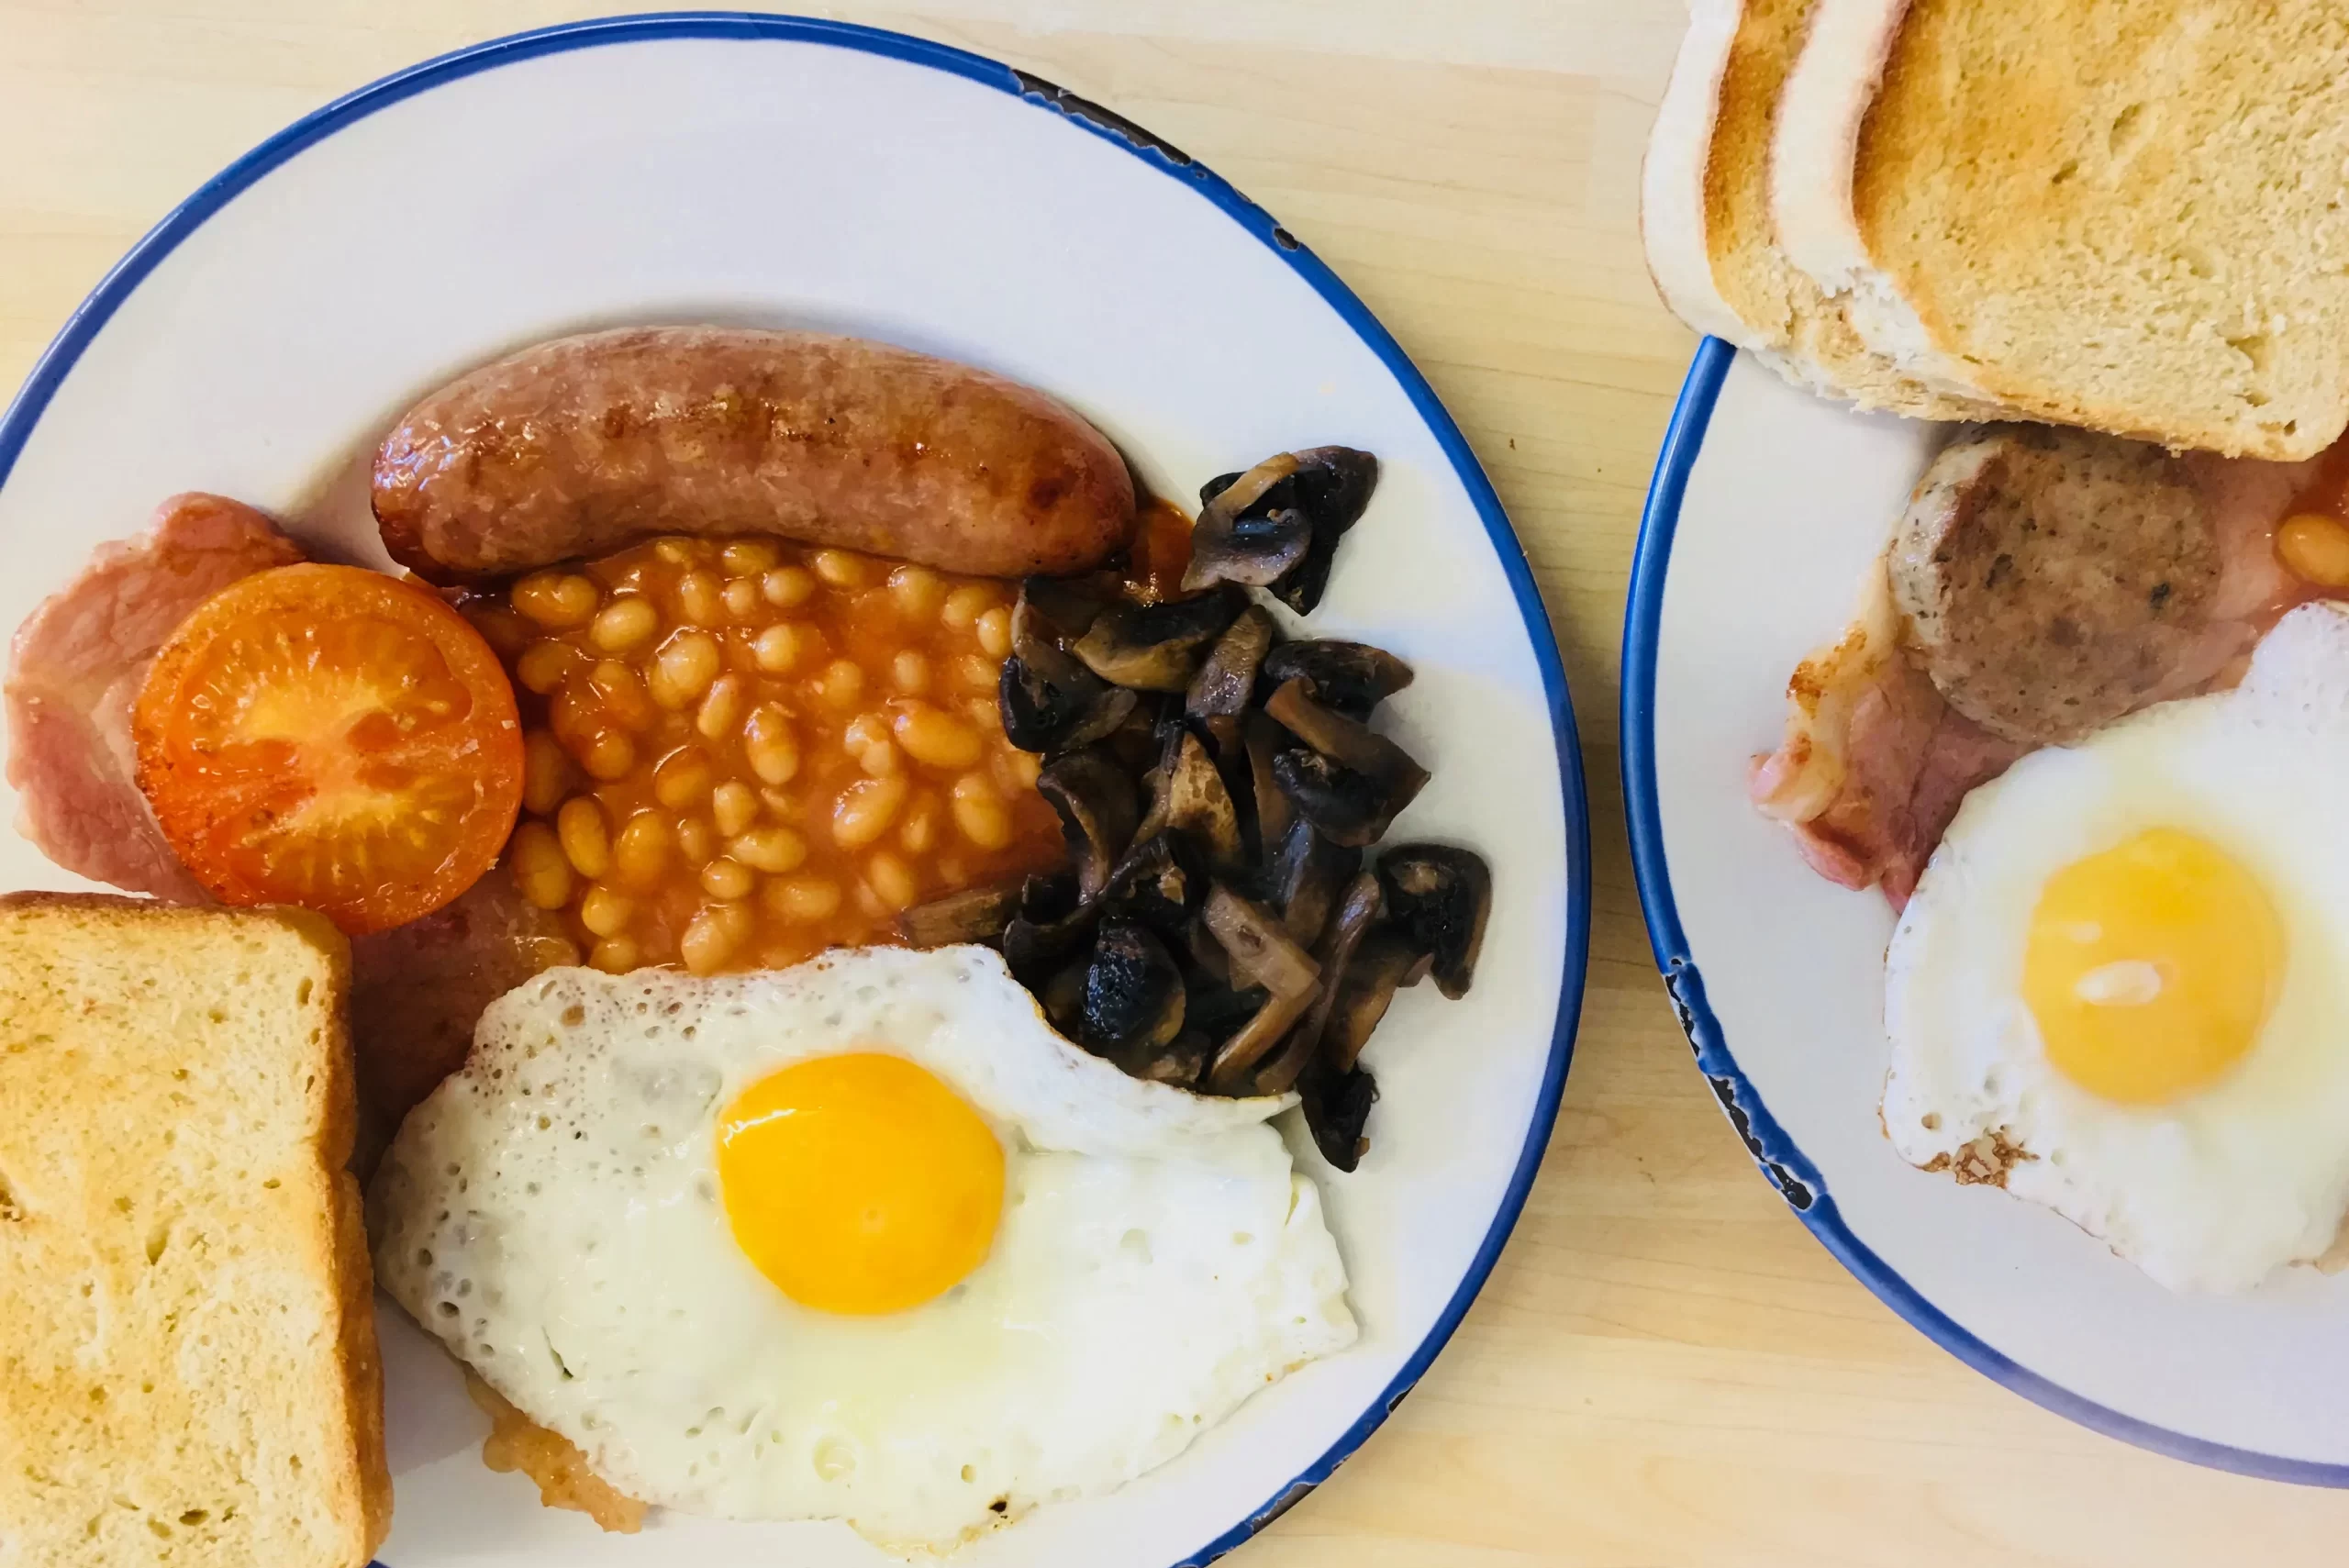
(859, 1183)
(2150, 967)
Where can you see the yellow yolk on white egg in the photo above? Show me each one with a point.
(859, 1183)
(2151, 966)
(1093, 1270)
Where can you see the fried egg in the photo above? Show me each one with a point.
(2116, 991)
(861, 1239)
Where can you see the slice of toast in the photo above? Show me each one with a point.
(1706, 218)
(2126, 214)
(188, 1374)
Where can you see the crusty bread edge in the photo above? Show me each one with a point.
(1671, 176)
(363, 1477)
(1821, 110)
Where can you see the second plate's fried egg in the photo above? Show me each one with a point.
(861, 1240)
(2117, 988)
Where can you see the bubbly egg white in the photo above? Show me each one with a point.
(552, 1213)
(2213, 1191)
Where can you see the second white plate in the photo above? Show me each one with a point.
(1768, 508)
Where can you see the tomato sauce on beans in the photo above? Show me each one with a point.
(738, 752)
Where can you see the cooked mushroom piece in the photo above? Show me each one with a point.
(1307, 874)
(1035, 949)
(1062, 999)
(1217, 1011)
(1439, 897)
(1190, 797)
(1347, 741)
(1235, 1060)
(1181, 1063)
(1066, 607)
(1337, 1106)
(1384, 962)
(1133, 992)
(1253, 551)
(1352, 678)
(1158, 648)
(1261, 952)
(1328, 485)
(1228, 679)
(1347, 807)
(1263, 740)
(1355, 916)
(1331, 485)
(1154, 886)
(974, 915)
(1097, 811)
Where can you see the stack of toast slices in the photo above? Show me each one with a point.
(188, 1370)
(2130, 215)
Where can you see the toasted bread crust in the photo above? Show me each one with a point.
(176, 1126)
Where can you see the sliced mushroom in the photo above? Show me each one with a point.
(1066, 607)
(1097, 811)
(1260, 952)
(1037, 713)
(1327, 486)
(1158, 648)
(1347, 741)
(1035, 947)
(1217, 1011)
(1308, 874)
(1439, 897)
(1192, 799)
(1352, 678)
(1235, 1060)
(1347, 807)
(1331, 485)
(1263, 740)
(1209, 963)
(1239, 493)
(1355, 916)
(1154, 886)
(1255, 550)
(974, 915)
(1133, 992)
(1050, 896)
(1228, 679)
(1062, 999)
(1383, 963)
(1181, 1064)
(1337, 1106)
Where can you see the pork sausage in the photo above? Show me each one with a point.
(2054, 580)
(578, 446)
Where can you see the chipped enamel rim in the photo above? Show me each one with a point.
(1778, 1157)
(24, 413)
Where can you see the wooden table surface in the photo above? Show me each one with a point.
(1666, 1368)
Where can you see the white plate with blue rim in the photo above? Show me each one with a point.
(1767, 509)
(774, 171)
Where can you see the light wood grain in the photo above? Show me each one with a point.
(1666, 1368)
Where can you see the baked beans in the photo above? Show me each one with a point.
(737, 754)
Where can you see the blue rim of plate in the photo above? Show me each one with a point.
(48, 372)
(1778, 1155)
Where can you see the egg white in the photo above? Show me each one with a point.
(2213, 1192)
(552, 1213)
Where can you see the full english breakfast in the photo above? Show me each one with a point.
(2102, 654)
(807, 879)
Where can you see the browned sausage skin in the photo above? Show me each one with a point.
(577, 446)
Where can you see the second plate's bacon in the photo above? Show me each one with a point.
(1874, 763)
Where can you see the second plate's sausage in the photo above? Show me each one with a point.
(2054, 580)
(577, 446)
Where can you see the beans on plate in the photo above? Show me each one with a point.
(739, 753)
